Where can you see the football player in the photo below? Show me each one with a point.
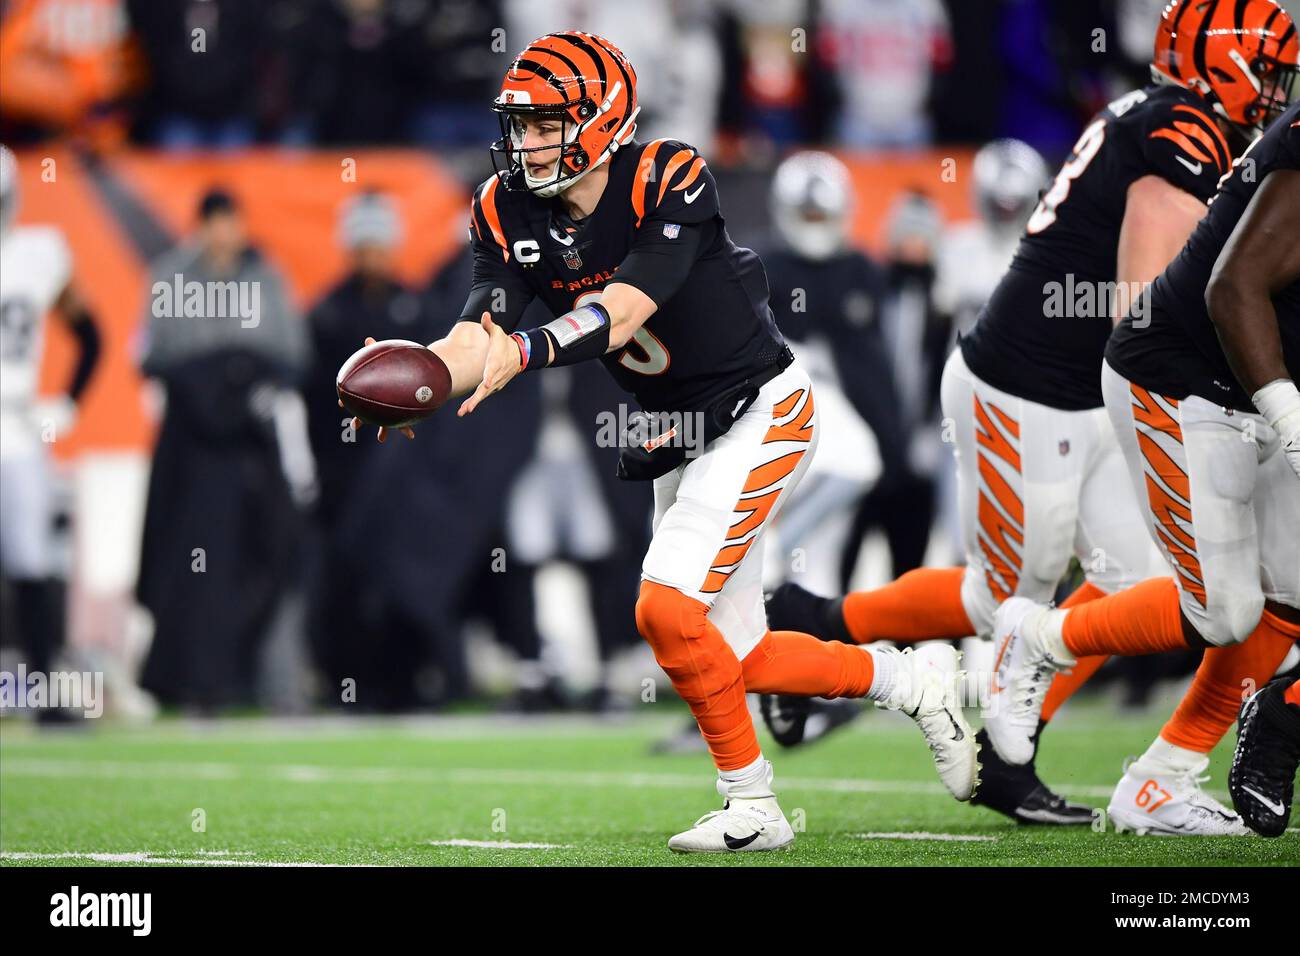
(624, 243)
(1038, 462)
(1201, 389)
(35, 281)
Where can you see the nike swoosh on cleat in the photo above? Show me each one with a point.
(957, 732)
(738, 843)
(1275, 806)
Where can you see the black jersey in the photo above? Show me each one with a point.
(1174, 350)
(657, 227)
(841, 299)
(1042, 333)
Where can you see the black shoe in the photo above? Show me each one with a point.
(1262, 778)
(1017, 792)
(801, 720)
(792, 608)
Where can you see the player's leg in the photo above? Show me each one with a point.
(1268, 742)
(26, 555)
(709, 514)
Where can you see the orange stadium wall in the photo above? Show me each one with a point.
(291, 201)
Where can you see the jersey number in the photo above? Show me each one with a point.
(1084, 150)
(644, 355)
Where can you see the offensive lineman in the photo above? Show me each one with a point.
(624, 243)
(1037, 457)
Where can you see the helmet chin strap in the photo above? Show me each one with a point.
(554, 184)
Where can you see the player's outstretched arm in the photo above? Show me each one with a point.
(1260, 259)
(586, 333)
(464, 349)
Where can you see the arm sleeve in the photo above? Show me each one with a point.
(497, 286)
(1182, 145)
(675, 200)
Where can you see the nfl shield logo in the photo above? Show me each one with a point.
(1064, 447)
(572, 259)
(671, 229)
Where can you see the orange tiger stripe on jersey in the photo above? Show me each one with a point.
(1182, 142)
(1206, 124)
(691, 174)
(786, 405)
(772, 472)
(680, 159)
(798, 428)
(644, 176)
(997, 525)
(992, 439)
(489, 203)
(1170, 497)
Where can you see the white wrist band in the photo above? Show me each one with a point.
(1277, 399)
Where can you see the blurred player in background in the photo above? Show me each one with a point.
(1037, 459)
(828, 299)
(35, 281)
(1202, 392)
(686, 328)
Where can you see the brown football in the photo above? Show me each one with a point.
(393, 383)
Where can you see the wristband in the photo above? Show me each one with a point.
(1277, 400)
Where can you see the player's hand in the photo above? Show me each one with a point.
(408, 431)
(502, 364)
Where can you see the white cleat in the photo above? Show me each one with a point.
(928, 689)
(1166, 802)
(744, 825)
(1023, 669)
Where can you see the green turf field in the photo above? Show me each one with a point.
(386, 793)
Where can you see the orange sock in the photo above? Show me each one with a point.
(922, 605)
(787, 662)
(1225, 678)
(1143, 619)
(1067, 682)
(1292, 695)
(703, 669)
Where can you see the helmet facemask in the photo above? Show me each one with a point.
(572, 160)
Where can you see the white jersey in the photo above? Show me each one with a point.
(35, 266)
(972, 259)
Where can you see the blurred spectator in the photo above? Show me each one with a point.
(357, 630)
(778, 85)
(225, 344)
(827, 298)
(671, 43)
(918, 338)
(884, 53)
(66, 67)
(204, 70)
(456, 74)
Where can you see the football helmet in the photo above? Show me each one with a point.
(580, 79)
(811, 201)
(1241, 57)
(1007, 178)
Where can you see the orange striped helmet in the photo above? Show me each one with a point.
(1241, 55)
(580, 79)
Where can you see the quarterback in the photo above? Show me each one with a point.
(624, 243)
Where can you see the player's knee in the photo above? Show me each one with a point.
(1229, 620)
(676, 628)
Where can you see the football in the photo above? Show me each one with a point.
(393, 383)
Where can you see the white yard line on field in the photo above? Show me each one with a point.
(501, 845)
(473, 776)
(203, 858)
(922, 835)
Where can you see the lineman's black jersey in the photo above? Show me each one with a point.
(1178, 353)
(1042, 333)
(657, 227)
